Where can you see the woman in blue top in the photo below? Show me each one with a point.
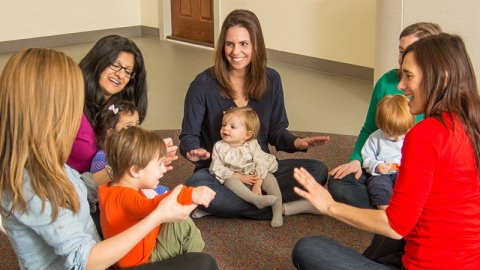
(239, 78)
(43, 202)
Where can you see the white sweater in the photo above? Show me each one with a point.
(379, 149)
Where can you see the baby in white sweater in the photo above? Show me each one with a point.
(239, 163)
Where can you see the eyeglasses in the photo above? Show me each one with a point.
(129, 73)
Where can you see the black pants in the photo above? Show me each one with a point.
(187, 261)
(386, 251)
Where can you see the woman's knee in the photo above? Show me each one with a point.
(306, 250)
(317, 169)
(350, 191)
(201, 177)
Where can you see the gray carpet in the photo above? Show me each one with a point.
(249, 244)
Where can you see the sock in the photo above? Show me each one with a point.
(242, 191)
(270, 186)
(301, 206)
(197, 213)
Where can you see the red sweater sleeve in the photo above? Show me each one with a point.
(138, 206)
(184, 197)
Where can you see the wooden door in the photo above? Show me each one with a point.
(192, 21)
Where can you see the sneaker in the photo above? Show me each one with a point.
(197, 213)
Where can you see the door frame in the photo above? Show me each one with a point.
(165, 19)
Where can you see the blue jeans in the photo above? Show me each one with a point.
(317, 253)
(380, 188)
(227, 204)
(351, 191)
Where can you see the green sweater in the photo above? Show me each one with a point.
(386, 85)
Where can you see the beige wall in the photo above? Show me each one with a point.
(23, 19)
(342, 31)
(458, 17)
(149, 11)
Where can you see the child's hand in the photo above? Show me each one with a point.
(257, 187)
(171, 153)
(202, 195)
(248, 179)
(383, 168)
(394, 167)
(198, 154)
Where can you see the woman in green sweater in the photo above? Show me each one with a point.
(347, 183)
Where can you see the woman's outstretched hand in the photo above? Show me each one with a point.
(304, 143)
(345, 169)
(171, 154)
(317, 195)
(197, 154)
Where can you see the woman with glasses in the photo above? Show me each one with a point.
(113, 67)
(240, 77)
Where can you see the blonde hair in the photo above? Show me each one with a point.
(393, 115)
(42, 95)
(130, 147)
(248, 116)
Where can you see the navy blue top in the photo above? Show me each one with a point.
(203, 112)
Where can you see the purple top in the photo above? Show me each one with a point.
(84, 147)
(99, 162)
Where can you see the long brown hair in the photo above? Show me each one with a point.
(256, 80)
(41, 92)
(449, 82)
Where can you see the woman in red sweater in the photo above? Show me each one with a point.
(435, 204)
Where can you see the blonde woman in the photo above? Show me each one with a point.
(44, 203)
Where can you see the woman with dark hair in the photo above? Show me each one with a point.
(113, 67)
(435, 205)
(240, 77)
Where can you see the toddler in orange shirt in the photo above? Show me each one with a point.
(136, 157)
